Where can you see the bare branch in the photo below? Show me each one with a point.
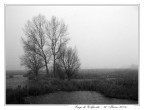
(56, 32)
(69, 61)
(36, 39)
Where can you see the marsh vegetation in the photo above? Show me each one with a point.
(120, 84)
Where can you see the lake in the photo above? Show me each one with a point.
(76, 97)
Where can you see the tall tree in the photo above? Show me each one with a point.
(32, 61)
(56, 32)
(69, 61)
(35, 32)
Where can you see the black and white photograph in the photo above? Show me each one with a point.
(72, 54)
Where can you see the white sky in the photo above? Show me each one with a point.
(105, 36)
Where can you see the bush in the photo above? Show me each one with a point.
(11, 76)
(25, 75)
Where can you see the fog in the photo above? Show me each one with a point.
(105, 36)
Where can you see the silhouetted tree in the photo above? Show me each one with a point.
(56, 32)
(69, 61)
(32, 61)
(35, 32)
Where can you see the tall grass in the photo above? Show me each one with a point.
(117, 84)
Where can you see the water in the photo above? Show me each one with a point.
(77, 97)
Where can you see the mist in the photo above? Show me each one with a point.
(105, 36)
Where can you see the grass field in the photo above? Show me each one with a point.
(115, 83)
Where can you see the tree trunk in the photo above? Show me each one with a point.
(45, 60)
(36, 73)
(47, 70)
(54, 66)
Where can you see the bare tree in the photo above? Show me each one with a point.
(69, 61)
(36, 39)
(32, 61)
(56, 32)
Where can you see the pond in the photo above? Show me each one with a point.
(76, 97)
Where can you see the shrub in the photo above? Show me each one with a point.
(11, 76)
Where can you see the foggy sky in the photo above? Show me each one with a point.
(105, 36)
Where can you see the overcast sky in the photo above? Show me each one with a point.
(105, 36)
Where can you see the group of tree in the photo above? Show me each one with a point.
(45, 44)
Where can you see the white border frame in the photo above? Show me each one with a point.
(79, 5)
(141, 43)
